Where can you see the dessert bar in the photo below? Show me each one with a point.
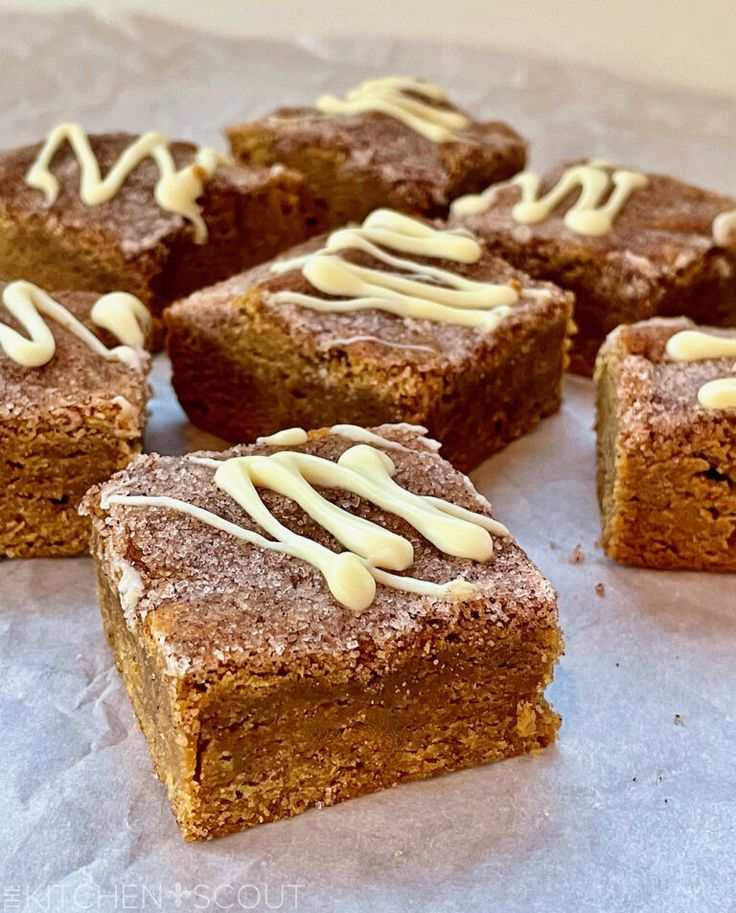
(395, 142)
(72, 409)
(155, 218)
(629, 245)
(666, 424)
(395, 320)
(318, 616)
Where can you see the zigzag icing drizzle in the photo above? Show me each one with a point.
(372, 552)
(588, 216)
(405, 99)
(119, 312)
(695, 345)
(409, 289)
(175, 191)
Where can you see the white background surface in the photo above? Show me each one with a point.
(627, 813)
(690, 43)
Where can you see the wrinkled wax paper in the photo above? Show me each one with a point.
(633, 810)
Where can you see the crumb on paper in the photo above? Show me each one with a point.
(577, 555)
(600, 589)
(679, 720)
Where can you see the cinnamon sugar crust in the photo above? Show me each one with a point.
(359, 162)
(667, 222)
(131, 218)
(658, 259)
(213, 603)
(656, 392)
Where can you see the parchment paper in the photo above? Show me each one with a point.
(633, 809)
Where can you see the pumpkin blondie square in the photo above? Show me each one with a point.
(315, 617)
(73, 396)
(395, 142)
(395, 320)
(666, 426)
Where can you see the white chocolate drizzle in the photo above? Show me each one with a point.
(372, 552)
(375, 340)
(289, 437)
(718, 394)
(695, 345)
(589, 215)
(411, 101)
(120, 313)
(130, 587)
(364, 436)
(409, 289)
(130, 418)
(293, 437)
(123, 315)
(176, 191)
(724, 228)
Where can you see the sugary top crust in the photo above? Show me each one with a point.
(131, 220)
(656, 394)
(212, 602)
(662, 231)
(381, 148)
(75, 379)
(371, 335)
